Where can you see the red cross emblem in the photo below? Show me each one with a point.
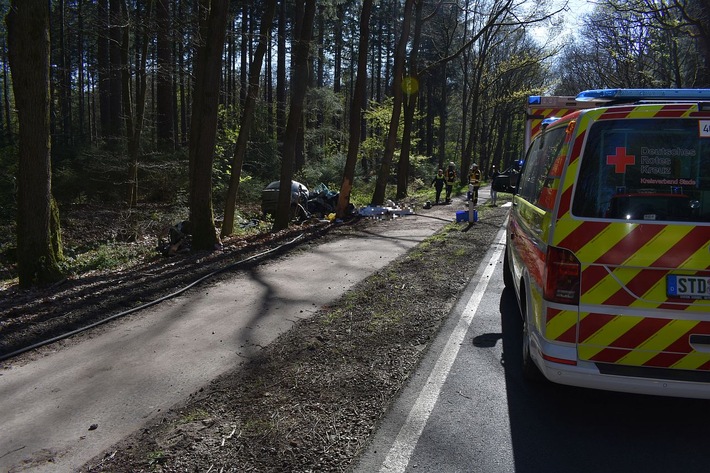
(620, 160)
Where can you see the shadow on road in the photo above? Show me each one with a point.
(557, 428)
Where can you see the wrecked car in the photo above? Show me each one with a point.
(270, 196)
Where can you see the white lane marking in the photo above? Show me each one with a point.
(399, 455)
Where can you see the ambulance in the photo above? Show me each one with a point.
(608, 244)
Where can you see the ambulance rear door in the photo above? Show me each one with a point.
(639, 224)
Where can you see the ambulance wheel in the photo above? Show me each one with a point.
(507, 273)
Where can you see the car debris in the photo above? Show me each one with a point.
(387, 211)
(322, 201)
(179, 239)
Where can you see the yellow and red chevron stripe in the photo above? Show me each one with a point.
(625, 264)
(536, 123)
(656, 111)
(561, 325)
(642, 341)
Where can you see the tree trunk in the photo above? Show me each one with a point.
(184, 81)
(230, 87)
(127, 107)
(7, 125)
(443, 120)
(81, 87)
(338, 66)
(358, 104)
(430, 88)
(476, 92)
(164, 86)
(104, 66)
(244, 53)
(298, 143)
(412, 92)
(281, 74)
(64, 72)
(320, 62)
(377, 75)
(38, 243)
(116, 66)
(269, 90)
(135, 113)
(338, 53)
(247, 119)
(203, 129)
(299, 84)
(383, 175)
(465, 88)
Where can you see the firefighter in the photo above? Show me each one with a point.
(438, 183)
(474, 182)
(450, 178)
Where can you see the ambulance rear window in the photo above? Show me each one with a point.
(645, 169)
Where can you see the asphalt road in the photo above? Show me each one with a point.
(66, 403)
(468, 410)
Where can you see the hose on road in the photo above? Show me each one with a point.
(152, 303)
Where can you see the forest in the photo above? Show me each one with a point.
(188, 108)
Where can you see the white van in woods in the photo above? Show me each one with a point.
(608, 244)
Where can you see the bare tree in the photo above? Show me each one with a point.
(685, 17)
(624, 46)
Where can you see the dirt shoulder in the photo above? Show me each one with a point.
(311, 400)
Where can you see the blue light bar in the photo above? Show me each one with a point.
(629, 95)
(534, 100)
(549, 121)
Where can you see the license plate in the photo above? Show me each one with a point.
(688, 287)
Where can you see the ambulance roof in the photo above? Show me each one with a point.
(636, 95)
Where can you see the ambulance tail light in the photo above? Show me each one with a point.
(562, 276)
